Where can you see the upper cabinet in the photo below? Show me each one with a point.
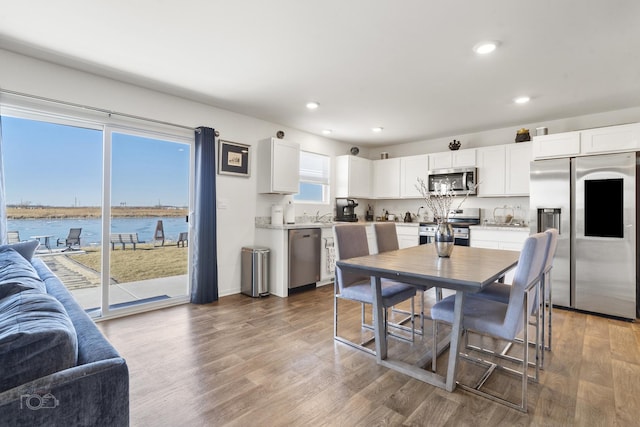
(452, 159)
(557, 145)
(278, 166)
(386, 178)
(412, 168)
(353, 177)
(609, 139)
(503, 170)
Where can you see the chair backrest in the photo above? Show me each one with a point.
(350, 242)
(13, 237)
(528, 271)
(74, 233)
(386, 236)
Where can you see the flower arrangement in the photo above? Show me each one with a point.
(440, 200)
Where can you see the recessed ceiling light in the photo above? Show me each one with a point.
(327, 132)
(485, 47)
(312, 105)
(521, 100)
(377, 130)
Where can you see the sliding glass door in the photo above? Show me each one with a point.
(148, 235)
(109, 206)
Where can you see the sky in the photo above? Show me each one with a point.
(59, 165)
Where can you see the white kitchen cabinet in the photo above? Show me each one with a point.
(412, 168)
(498, 238)
(453, 159)
(610, 139)
(386, 178)
(491, 171)
(518, 165)
(407, 236)
(503, 170)
(565, 144)
(327, 261)
(353, 177)
(278, 166)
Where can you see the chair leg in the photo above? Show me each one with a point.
(338, 338)
(434, 345)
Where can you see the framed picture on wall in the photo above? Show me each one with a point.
(233, 158)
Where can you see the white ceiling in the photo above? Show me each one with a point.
(405, 65)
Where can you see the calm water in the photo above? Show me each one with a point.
(91, 228)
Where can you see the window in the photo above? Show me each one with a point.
(314, 178)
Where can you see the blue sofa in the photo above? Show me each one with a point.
(56, 367)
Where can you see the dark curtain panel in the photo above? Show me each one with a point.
(204, 270)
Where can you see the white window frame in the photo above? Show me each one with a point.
(315, 177)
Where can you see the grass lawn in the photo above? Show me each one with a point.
(146, 262)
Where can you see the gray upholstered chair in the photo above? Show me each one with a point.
(500, 292)
(503, 321)
(351, 241)
(387, 240)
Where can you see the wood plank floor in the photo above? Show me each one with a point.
(273, 362)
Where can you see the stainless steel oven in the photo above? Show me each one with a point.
(461, 219)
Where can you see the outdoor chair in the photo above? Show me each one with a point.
(499, 320)
(72, 239)
(13, 237)
(351, 241)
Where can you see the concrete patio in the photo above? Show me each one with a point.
(84, 283)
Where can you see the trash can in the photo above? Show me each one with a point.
(255, 271)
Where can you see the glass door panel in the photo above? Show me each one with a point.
(53, 182)
(148, 228)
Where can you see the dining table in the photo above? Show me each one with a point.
(466, 270)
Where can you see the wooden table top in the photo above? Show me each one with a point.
(468, 269)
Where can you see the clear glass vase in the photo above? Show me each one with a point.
(444, 239)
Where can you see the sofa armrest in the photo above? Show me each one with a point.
(92, 394)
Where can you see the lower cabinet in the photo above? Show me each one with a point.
(497, 238)
(407, 236)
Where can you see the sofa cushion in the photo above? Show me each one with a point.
(17, 274)
(37, 338)
(26, 248)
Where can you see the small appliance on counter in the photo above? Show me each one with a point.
(345, 210)
(277, 215)
(290, 214)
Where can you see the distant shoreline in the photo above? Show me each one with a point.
(53, 212)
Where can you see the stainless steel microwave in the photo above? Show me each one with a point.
(457, 180)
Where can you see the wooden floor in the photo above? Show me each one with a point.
(273, 362)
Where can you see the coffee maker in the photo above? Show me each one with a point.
(345, 210)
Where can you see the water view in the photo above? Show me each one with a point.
(91, 228)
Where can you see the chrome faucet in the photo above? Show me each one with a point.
(320, 217)
(418, 213)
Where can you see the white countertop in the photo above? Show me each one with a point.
(328, 224)
(500, 227)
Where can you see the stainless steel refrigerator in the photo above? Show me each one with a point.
(591, 200)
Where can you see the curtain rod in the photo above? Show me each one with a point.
(100, 110)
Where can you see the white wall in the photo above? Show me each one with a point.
(236, 223)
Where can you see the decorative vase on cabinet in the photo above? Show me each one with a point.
(444, 239)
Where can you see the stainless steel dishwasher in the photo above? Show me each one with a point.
(304, 257)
